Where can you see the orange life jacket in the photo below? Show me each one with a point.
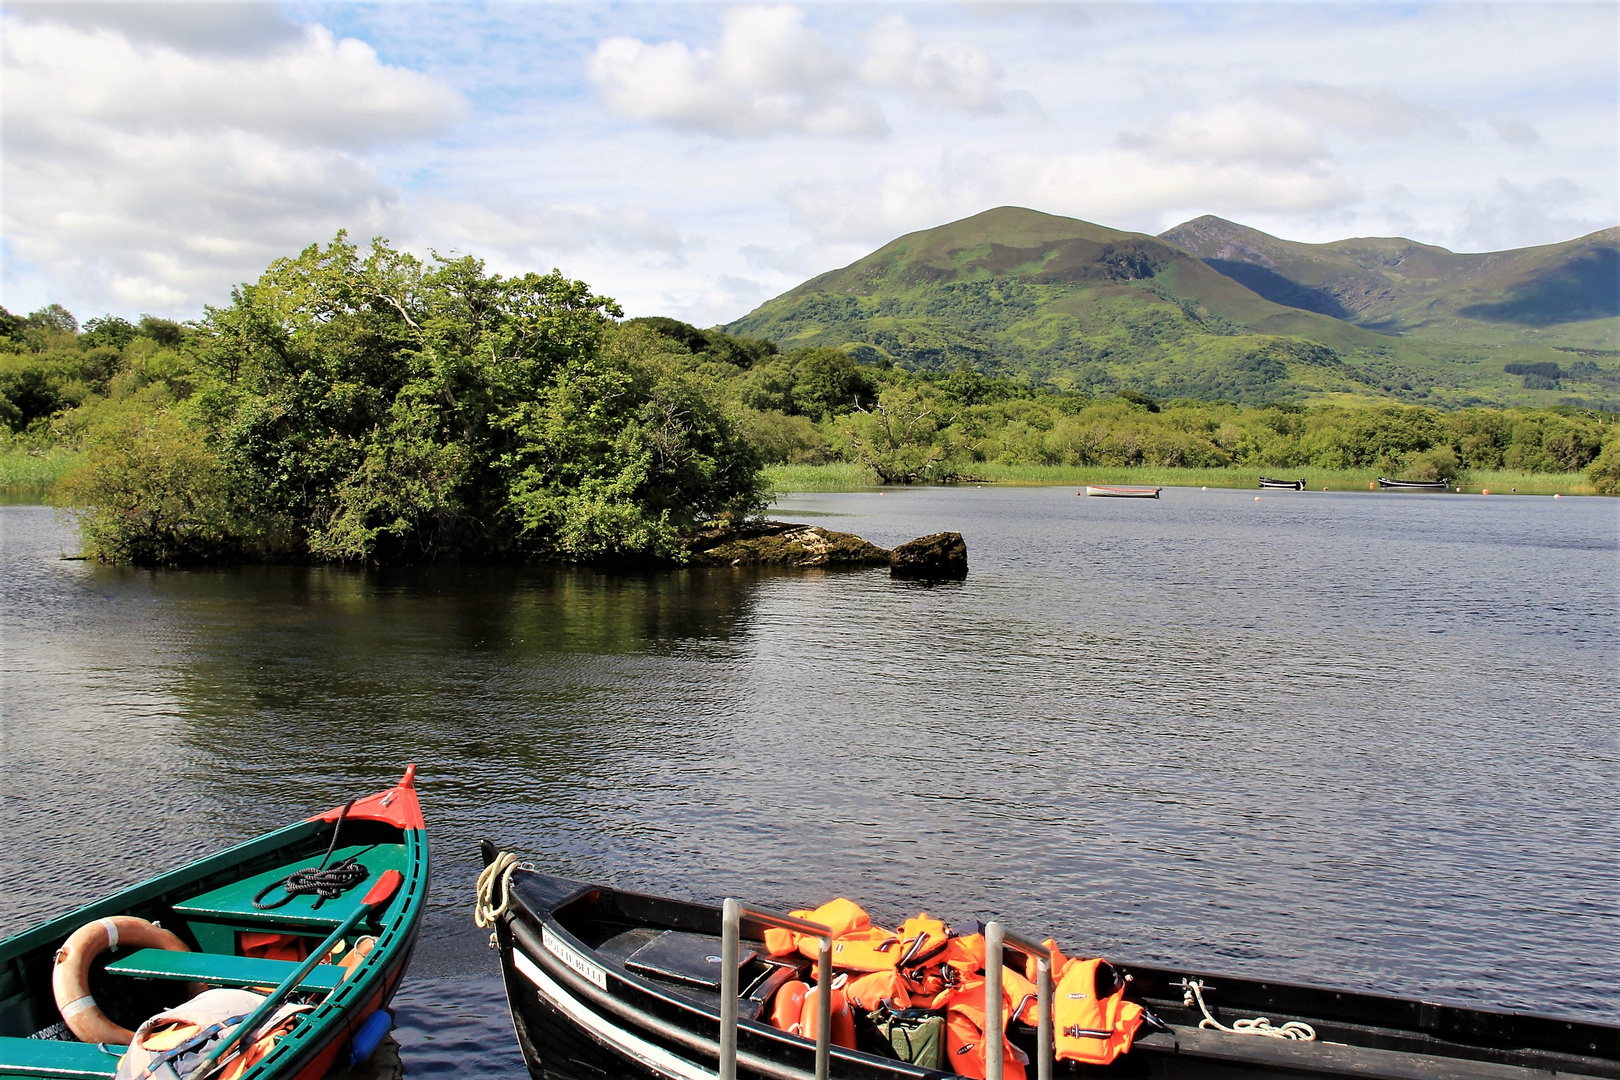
(1087, 1026)
(842, 916)
(1023, 996)
(922, 939)
(869, 949)
(872, 989)
(965, 1036)
(965, 954)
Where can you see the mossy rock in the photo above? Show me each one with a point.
(781, 543)
(939, 557)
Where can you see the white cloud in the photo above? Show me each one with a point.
(145, 177)
(1515, 130)
(769, 74)
(1109, 187)
(241, 27)
(1233, 132)
(965, 76)
(1378, 111)
(316, 89)
(1516, 215)
(525, 234)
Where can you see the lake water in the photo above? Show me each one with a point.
(1360, 740)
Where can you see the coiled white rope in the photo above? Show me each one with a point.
(495, 880)
(1258, 1026)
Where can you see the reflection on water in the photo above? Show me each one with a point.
(1362, 740)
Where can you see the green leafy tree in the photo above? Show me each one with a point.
(108, 331)
(365, 406)
(623, 454)
(826, 382)
(54, 317)
(898, 439)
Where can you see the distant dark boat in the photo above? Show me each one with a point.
(1288, 485)
(1415, 485)
(604, 982)
(1122, 492)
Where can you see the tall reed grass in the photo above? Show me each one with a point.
(26, 472)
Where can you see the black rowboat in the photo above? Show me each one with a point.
(588, 1001)
(1288, 485)
(1414, 485)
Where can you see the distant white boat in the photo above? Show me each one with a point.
(1122, 492)
(1415, 485)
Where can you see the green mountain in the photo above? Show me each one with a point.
(1017, 292)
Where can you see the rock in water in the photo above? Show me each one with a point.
(781, 543)
(940, 557)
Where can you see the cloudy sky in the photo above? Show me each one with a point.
(695, 159)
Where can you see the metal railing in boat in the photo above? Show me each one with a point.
(995, 937)
(731, 934)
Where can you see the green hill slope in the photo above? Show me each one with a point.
(1013, 291)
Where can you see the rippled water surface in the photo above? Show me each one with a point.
(1363, 740)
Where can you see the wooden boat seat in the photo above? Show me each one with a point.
(233, 904)
(217, 970)
(49, 1057)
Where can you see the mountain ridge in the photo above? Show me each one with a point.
(1394, 283)
(1018, 291)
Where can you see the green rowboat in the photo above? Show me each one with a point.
(240, 929)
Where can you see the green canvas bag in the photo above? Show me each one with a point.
(915, 1035)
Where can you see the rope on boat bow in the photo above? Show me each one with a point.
(327, 882)
(495, 879)
(1294, 1029)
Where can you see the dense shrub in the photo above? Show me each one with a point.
(1604, 472)
(371, 408)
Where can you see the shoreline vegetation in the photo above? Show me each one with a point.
(359, 405)
(32, 476)
(847, 477)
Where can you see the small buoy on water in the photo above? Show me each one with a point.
(1206, 487)
(1371, 486)
(1257, 498)
(1324, 489)
(1485, 491)
(1558, 496)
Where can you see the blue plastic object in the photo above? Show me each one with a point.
(371, 1032)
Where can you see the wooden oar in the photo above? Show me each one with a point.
(379, 895)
